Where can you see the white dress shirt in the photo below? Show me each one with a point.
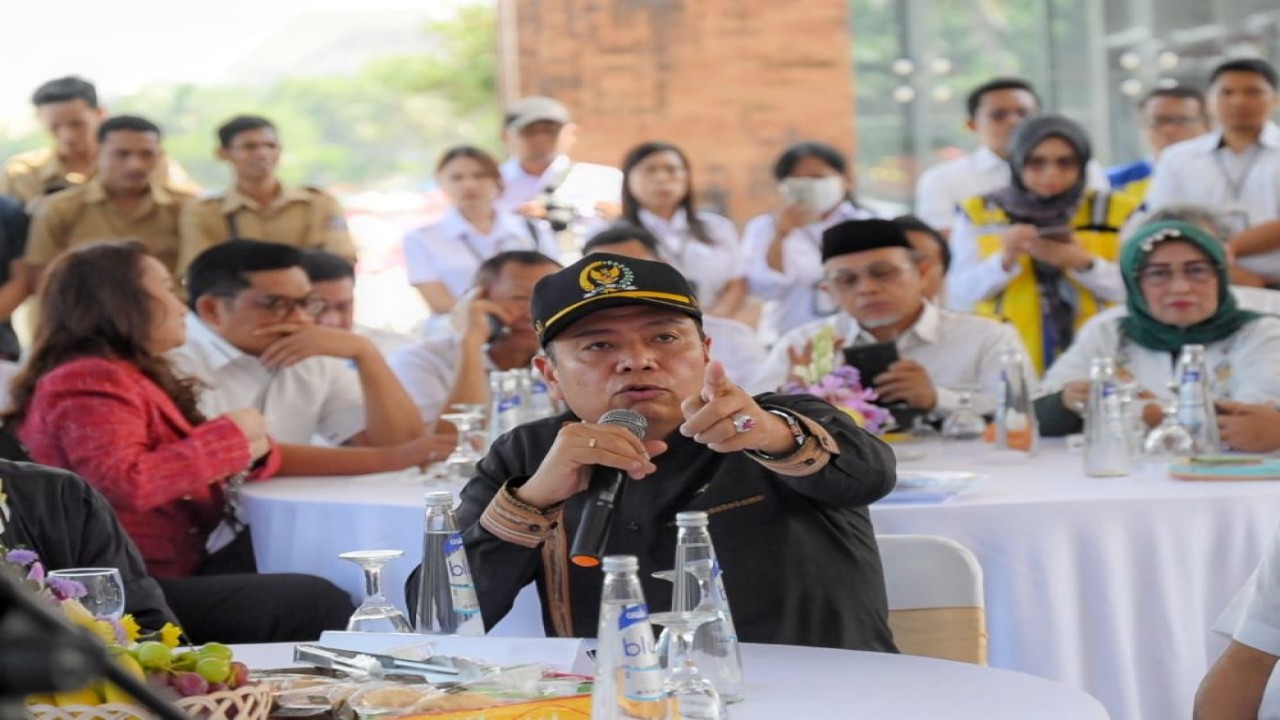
(792, 296)
(451, 249)
(428, 370)
(1241, 367)
(973, 278)
(956, 349)
(584, 185)
(387, 341)
(319, 397)
(1253, 619)
(942, 188)
(709, 266)
(1246, 186)
(736, 345)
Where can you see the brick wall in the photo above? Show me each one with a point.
(731, 81)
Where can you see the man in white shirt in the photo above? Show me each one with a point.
(1243, 683)
(494, 331)
(540, 178)
(874, 275)
(995, 108)
(733, 343)
(252, 341)
(1235, 168)
(333, 278)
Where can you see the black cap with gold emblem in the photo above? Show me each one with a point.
(600, 281)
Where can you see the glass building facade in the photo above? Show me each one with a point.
(915, 60)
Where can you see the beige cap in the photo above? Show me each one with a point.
(537, 108)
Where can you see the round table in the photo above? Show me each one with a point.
(785, 681)
(1105, 584)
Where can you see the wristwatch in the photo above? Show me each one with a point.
(798, 433)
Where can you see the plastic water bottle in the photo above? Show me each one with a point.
(1106, 444)
(1016, 426)
(628, 678)
(1195, 401)
(505, 404)
(447, 603)
(541, 404)
(701, 587)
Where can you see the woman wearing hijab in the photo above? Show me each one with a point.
(1040, 253)
(1178, 294)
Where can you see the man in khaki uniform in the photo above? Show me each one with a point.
(121, 201)
(68, 110)
(258, 206)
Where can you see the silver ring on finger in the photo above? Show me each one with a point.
(743, 422)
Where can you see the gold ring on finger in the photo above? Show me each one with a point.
(591, 442)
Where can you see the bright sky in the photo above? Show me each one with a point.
(123, 44)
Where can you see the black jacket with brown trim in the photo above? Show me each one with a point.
(799, 554)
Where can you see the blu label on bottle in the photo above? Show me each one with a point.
(642, 677)
(462, 589)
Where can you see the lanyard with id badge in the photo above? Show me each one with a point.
(1234, 216)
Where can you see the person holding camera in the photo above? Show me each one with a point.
(783, 249)
(1040, 253)
(493, 331)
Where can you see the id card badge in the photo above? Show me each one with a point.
(823, 303)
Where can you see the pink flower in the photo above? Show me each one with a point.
(36, 572)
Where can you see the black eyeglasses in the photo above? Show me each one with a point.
(281, 307)
(882, 273)
(1197, 273)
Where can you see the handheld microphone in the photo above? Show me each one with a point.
(602, 495)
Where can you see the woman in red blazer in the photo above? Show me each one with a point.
(98, 397)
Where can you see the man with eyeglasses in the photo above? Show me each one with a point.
(1168, 116)
(995, 108)
(252, 341)
(873, 273)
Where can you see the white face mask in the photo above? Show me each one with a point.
(816, 194)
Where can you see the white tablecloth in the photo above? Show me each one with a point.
(1105, 584)
(816, 683)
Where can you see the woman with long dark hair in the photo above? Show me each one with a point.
(658, 195)
(442, 257)
(99, 398)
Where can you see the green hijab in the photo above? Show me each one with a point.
(1141, 326)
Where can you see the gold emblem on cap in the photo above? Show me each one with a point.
(605, 276)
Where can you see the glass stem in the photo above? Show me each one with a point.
(681, 648)
(373, 582)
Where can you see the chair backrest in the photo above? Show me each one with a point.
(936, 606)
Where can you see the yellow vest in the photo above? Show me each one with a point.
(1097, 225)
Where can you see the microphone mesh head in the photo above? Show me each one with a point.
(629, 419)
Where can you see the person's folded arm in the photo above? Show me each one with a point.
(1103, 278)
(103, 434)
(1233, 687)
(973, 278)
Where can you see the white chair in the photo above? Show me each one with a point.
(936, 606)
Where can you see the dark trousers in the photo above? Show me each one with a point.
(229, 602)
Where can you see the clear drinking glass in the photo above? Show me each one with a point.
(964, 423)
(375, 614)
(104, 590)
(1169, 440)
(692, 695)
(474, 430)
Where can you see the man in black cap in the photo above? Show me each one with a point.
(875, 276)
(786, 479)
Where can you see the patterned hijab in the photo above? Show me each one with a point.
(1141, 326)
(1016, 199)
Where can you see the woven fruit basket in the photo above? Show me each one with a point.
(250, 702)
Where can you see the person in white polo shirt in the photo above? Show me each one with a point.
(252, 341)
(493, 331)
(542, 180)
(872, 271)
(995, 109)
(1236, 168)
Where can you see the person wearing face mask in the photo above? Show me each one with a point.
(1040, 252)
(784, 248)
(1178, 293)
(658, 195)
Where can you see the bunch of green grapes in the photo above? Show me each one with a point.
(208, 668)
